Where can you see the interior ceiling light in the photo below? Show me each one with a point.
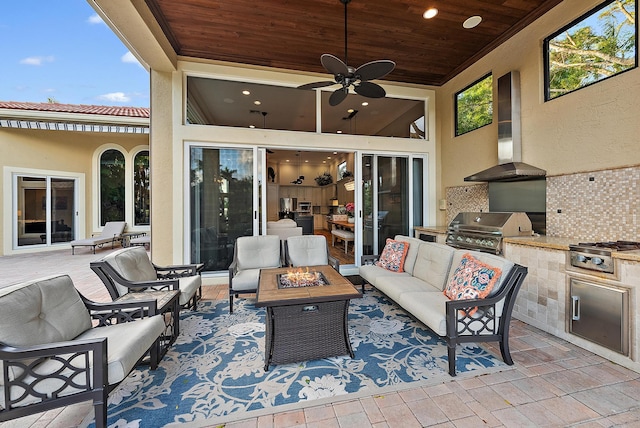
(430, 13)
(339, 132)
(245, 92)
(256, 102)
(252, 126)
(350, 110)
(365, 103)
(472, 22)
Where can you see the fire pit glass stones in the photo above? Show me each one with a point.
(300, 278)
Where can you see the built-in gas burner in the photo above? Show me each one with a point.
(596, 256)
(612, 245)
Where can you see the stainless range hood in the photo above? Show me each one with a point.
(510, 167)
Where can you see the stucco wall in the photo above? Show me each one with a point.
(170, 138)
(593, 128)
(64, 151)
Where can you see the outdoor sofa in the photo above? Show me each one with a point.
(427, 269)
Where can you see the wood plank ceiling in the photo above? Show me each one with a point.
(293, 34)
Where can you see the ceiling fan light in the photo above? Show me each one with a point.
(430, 13)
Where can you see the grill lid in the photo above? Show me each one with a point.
(503, 223)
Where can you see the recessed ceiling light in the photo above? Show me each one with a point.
(306, 160)
(252, 126)
(430, 13)
(472, 22)
(328, 157)
(339, 132)
(324, 161)
(287, 160)
(350, 110)
(257, 102)
(365, 103)
(245, 92)
(335, 153)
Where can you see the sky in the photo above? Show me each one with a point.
(62, 50)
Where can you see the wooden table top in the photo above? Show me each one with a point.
(269, 294)
(342, 224)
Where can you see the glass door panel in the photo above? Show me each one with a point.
(45, 210)
(62, 210)
(221, 203)
(387, 182)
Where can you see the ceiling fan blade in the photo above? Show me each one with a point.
(338, 96)
(334, 65)
(375, 69)
(370, 90)
(315, 85)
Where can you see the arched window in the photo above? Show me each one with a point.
(112, 201)
(141, 188)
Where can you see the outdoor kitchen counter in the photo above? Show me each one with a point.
(432, 229)
(542, 241)
(560, 243)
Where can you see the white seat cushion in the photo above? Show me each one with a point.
(307, 250)
(246, 280)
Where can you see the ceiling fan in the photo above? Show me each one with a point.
(347, 76)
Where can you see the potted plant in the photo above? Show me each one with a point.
(324, 179)
(350, 208)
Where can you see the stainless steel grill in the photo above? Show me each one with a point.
(485, 231)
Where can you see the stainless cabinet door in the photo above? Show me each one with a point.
(600, 314)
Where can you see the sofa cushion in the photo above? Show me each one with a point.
(372, 273)
(412, 253)
(472, 279)
(307, 250)
(132, 264)
(396, 285)
(257, 252)
(126, 344)
(433, 264)
(42, 311)
(188, 286)
(282, 223)
(428, 307)
(393, 255)
(246, 280)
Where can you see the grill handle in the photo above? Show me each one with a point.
(575, 308)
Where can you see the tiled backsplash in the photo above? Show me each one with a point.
(595, 206)
(473, 198)
(591, 206)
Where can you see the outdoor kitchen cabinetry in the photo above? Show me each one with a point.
(545, 298)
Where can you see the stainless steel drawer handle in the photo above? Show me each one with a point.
(575, 308)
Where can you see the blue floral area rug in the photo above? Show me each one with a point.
(214, 373)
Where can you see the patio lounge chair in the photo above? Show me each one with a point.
(309, 250)
(112, 232)
(130, 269)
(51, 355)
(251, 253)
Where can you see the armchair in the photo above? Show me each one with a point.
(52, 356)
(251, 253)
(130, 269)
(309, 250)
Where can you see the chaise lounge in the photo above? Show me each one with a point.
(112, 232)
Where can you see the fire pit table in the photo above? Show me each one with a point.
(307, 310)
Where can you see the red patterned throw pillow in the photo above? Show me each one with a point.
(393, 255)
(472, 279)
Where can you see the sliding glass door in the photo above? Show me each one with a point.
(222, 205)
(44, 210)
(392, 198)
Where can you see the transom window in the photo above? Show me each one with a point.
(474, 105)
(600, 44)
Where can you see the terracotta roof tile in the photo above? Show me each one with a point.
(77, 108)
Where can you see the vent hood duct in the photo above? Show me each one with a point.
(510, 167)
